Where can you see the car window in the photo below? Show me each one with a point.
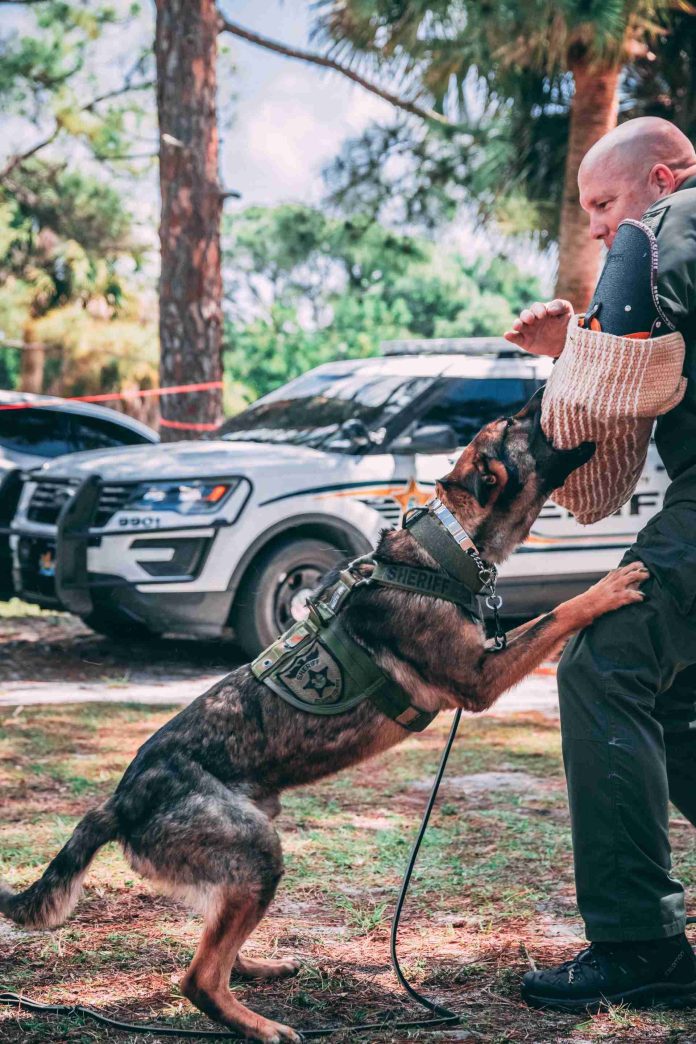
(88, 433)
(311, 409)
(469, 403)
(42, 432)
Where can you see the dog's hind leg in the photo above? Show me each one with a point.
(216, 849)
(206, 983)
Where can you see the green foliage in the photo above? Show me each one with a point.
(501, 71)
(64, 238)
(304, 288)
(662, 82)
(49, 73)
(61, 233)
(65, 232)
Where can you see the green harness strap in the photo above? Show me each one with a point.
(425, 582)
(437, 539)
(385, 693)
(318, 667)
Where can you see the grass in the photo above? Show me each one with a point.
(492, 891)
(17, 608)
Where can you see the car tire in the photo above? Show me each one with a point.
(120, 626)
(270, 596)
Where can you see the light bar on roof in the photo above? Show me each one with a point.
(497, 347)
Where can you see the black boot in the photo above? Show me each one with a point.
(659, 972)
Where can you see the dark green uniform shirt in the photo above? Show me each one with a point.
(673, 220)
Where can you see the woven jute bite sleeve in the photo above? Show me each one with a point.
(609, 390)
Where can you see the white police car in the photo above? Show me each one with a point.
(235, 530)
(34, 428)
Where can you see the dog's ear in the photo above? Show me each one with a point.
(479, 479)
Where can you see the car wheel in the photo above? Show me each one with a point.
(272, 595)
(113, 624)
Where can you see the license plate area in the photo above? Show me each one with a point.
(37, 568)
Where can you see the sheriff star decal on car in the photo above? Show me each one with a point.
(407, 496)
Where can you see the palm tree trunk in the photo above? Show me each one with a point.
(593, 112)
(190, 281)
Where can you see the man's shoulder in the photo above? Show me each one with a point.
(673, 222)
(672, 213)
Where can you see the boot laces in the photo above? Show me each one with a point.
(580, 963)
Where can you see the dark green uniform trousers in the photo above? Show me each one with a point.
(627, 691)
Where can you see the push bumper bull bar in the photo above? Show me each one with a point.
(10, 489)
(72, 578)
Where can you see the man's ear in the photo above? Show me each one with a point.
(662, 178)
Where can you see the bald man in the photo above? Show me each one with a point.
(627, 684)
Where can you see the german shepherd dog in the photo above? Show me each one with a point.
(194, 811)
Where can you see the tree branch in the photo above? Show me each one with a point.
(330, 63)
(115, 93)
(89, 106)
(126, 157)
(15, 161)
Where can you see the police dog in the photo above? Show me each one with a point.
(194, 811)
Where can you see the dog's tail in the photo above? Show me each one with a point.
(50, 900)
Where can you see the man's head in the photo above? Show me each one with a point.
(630, 168)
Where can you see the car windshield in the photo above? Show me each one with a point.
(309, 411)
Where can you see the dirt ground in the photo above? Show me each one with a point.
(492, 894)
(58, 648)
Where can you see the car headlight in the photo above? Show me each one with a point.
(186, 498)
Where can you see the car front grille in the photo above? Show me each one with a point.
(49, 497)
(111, 499)
(389, 509)
(47, 501)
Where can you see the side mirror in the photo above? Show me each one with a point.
(430, 438)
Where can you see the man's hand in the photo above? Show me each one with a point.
(541, 328)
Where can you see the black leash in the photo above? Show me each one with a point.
(443, 1015)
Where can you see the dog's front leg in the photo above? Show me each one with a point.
(499, 671)
(517, 632)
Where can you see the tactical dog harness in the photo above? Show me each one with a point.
(317, 666)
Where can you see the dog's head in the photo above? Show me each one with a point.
(499, 484)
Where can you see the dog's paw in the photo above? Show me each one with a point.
(277, 1033)
(255, 968)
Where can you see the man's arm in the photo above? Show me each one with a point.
(541, 328)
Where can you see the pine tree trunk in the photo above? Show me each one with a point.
(190, 282)
(593, 112)
(31, 363)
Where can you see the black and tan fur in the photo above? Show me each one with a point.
(194, 811)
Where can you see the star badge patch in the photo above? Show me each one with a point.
(313, 675)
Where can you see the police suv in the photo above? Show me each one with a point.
(234, 531)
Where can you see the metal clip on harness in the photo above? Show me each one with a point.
(488, 575)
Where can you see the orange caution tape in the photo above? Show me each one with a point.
(142, 393)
